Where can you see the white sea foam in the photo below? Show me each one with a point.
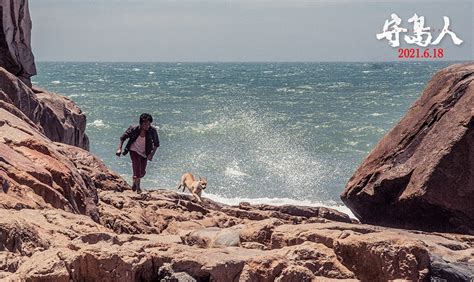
(278, 202)
(276, 155)
(234, 171)
(201, 128)
(151, 72)
(136, 69)
(352, 143)
(55, 82)
(285, 89)
(98, 123)
(376, 114)
(340, 84)
(305, 87)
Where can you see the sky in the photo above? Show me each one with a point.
(237, 31)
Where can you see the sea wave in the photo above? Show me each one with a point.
(97, 123)
(234, 171)
(278, 202)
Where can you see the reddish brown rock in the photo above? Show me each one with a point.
(56, 245)
(53, 115)
(421, 174)
(93, 170)
(260, 231)
(46, 186)
(36, 172)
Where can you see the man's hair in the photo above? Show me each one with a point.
(144, 117)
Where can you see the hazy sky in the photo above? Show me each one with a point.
(241, 30)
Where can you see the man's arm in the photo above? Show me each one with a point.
(124, 137)
(156, 144)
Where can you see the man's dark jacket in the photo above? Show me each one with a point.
(151, 138)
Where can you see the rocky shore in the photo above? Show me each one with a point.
(165, 235)
(64, 216)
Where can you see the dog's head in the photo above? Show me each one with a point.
(203, 182)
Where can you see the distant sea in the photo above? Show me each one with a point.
(279, 133)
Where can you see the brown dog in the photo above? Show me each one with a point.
(194, 186)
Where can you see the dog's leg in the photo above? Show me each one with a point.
(181, 183)
(196, 196)
(199, 195)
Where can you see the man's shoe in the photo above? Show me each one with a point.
(139, 190)
(134, 186)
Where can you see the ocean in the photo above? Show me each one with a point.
(277, 133)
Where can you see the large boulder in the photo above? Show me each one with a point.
(56, 116)
(36, 172)
(62, 120)
(421, 174)
(15, 39)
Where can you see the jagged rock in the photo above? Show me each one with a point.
(15, 39)
(53, 115)
(421, 174)
(170, 212)
(260, 231)
(36, 172)
(62, 120)
(450, 271)
(47, 186)
(58, 245)
(93, 170)
(16, 94)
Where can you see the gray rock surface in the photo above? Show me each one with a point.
(15, 39)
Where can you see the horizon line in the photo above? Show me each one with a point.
(253, 62)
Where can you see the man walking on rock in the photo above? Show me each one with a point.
(142, 144)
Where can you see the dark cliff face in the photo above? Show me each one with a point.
(6, 60)
(15, 39)
(421, 174)
(57, 117)
(35, 171)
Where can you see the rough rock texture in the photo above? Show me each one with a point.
(165, 235)
(15, 39)
(156, 213)
(64, 216)
(421, 174)
(62, 120)
(53, 115)
(36, 172)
